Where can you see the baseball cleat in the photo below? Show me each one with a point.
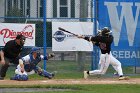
(85, 75)
(124, 78)
(116, 74)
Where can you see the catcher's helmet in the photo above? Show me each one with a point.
(105, 31)
(35, 49)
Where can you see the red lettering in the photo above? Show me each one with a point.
(27, 32)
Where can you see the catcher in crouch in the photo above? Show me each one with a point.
(103, 40)
(28, 65)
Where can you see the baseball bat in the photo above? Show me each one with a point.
(64, 30)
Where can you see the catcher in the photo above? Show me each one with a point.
(28, 65)
(104, 40)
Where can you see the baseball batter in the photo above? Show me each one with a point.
(104, 40)
(28, 65)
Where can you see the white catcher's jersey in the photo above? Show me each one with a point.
(27, 59)
(30, 64)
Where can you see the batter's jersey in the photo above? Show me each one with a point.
(104, 43)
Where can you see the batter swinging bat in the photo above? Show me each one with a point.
(62, 29)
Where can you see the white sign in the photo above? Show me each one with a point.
(9, 31)
(62, 41)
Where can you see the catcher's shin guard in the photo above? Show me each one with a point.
(46, 74)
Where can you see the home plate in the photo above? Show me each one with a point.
(75, 81)
(44, 81)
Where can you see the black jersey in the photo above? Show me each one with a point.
(104, 42)
(12, 49)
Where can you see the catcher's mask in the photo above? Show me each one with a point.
(21, 38)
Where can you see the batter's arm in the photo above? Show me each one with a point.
(90, 39)
(83, 37)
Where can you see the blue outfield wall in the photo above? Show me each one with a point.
(123, 18)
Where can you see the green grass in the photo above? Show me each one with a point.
(70, 70)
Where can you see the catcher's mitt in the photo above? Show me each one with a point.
(51, 55)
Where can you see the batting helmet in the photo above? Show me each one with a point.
(105, 31)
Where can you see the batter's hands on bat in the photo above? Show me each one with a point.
(83, 37)
(80, 36)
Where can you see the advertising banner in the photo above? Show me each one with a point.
(63, 41)
(123, 18)
(9, 31)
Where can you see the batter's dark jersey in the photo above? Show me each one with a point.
(12, 49)
(104, 42)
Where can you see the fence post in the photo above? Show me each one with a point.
(44, 34)
(94, 52)
(81, 60)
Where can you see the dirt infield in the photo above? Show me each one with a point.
(71, 81)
